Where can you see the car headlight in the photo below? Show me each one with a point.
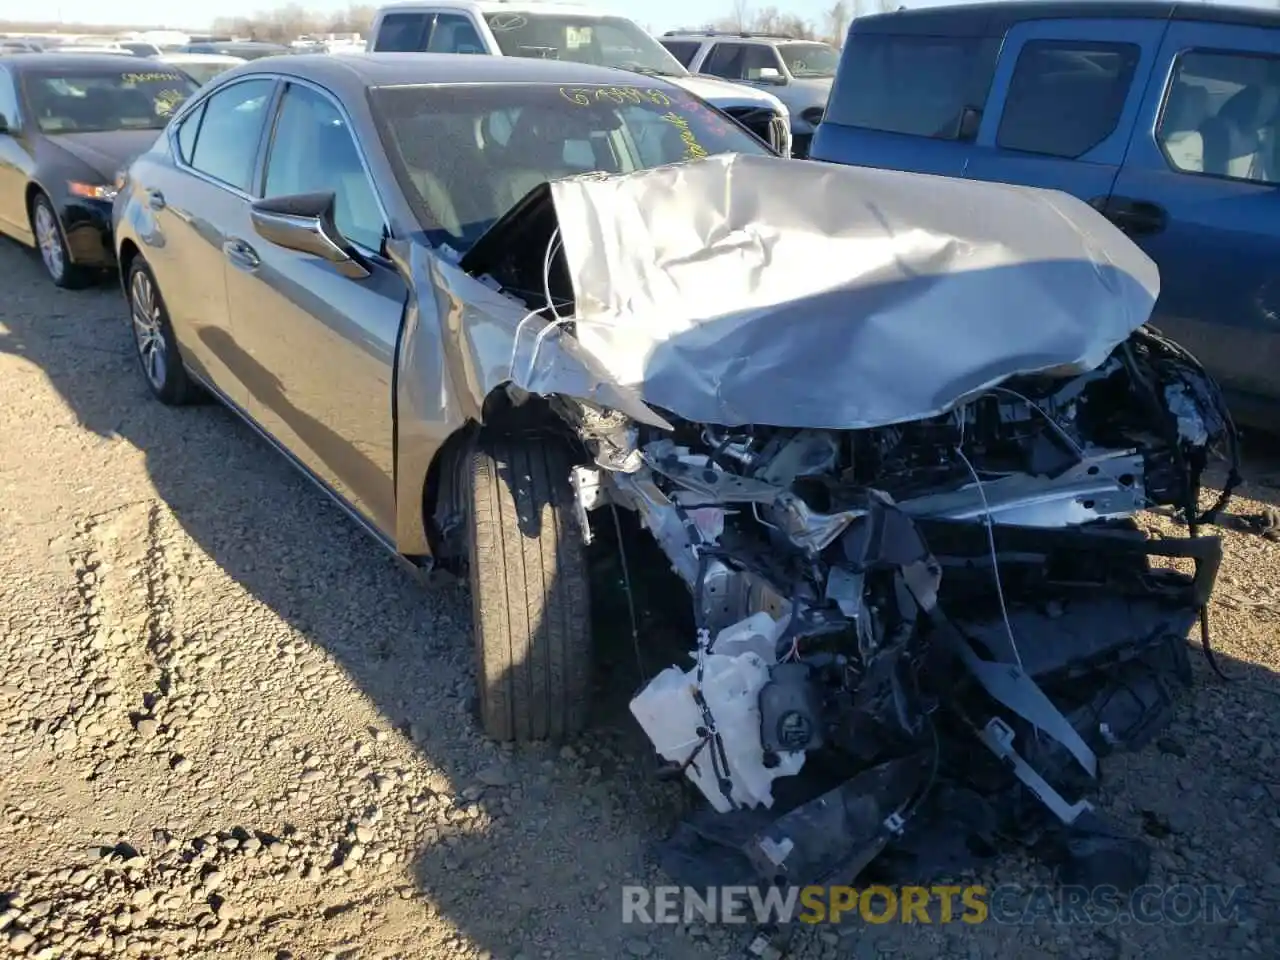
(91, 191)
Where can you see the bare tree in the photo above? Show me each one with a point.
(837, 23)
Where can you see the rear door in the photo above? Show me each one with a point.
(1065, 97)
(907, 101)
(1201, 191)
(192, 207)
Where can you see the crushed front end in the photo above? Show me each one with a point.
(901, 495)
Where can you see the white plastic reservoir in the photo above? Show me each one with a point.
(666, 710)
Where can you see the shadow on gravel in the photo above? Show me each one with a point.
(573, 825)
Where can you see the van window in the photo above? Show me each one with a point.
(1220, 116)
(1066, 97)
(911, 84)
(402, 33)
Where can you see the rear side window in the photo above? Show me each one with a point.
(403, 33)
(682, 50)
(1066, 97)
(454, 33)
(1222, 116)
(227, 143)
(911, 84)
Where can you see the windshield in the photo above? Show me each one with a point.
(604, 41)
(466, 154)
(79, 101)
(810, 59)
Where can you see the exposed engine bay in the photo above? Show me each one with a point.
(922, 626)
(857, 613)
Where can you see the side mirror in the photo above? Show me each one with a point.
(304, 222)
(970, 120)
(771, 75)
(4, 124)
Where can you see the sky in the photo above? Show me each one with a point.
(657, 14)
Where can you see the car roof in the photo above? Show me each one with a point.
(181, 58)
(69, 61)
(993, 17)
(732, 37)
(355, 71)
(498, 6)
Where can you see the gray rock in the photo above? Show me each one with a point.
(639, 948)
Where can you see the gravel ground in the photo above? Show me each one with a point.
(234, 727)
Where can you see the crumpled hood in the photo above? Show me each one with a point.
(722, 93)
(106, 152)
(757, 290)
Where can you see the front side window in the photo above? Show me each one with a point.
(1066, 97)
(1222, 116)
(227, 143)
(466, 154)
(913, 85)
(604, 41)
(67, 100)
(403, 33)
(313, 151)
(809, 60)
(682, 50)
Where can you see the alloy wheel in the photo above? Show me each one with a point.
(50, 241)
(148, 332)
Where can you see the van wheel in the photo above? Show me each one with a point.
(530, 602)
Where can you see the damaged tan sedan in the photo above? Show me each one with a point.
(889, 430)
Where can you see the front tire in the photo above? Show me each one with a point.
(154, 343)
(528, 571)
(52, 246)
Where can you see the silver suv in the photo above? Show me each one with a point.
(797, 72)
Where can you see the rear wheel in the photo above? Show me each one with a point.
(153, 339)
(528, 573)
(53, 247)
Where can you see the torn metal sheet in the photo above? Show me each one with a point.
(720, 290)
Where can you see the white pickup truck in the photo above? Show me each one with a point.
(565, 32)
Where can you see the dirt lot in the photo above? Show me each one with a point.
(232, 727)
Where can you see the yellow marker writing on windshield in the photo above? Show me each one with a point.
(693, 150)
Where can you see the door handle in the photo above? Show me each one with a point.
(155, 199)
(1135, 217)
(241, 254)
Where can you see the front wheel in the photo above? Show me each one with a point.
(53, 247)
(153, 339)
(528, 572)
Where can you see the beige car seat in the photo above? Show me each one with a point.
(1187, 109)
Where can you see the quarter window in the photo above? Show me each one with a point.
(1220, 116)
(8, 100)
(682, 50)
(187, 134)
(226, 144)
(403, 33)
(909, 84)
(1065, 98)
(313, 151)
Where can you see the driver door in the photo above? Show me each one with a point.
(320, 346)
(15, 163)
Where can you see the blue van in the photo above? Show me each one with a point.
(1164, 116)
